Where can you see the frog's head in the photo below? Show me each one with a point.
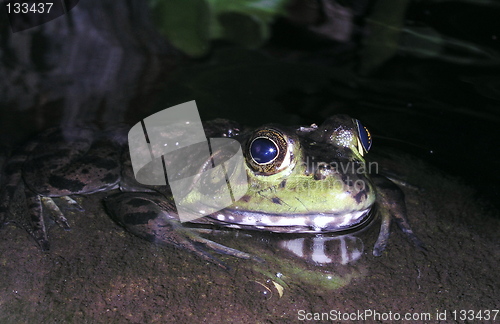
(306, 179)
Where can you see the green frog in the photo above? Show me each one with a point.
(310, 179)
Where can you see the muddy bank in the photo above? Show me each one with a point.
(97, 272)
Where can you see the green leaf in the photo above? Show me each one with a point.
(185, 23)
(191, 24)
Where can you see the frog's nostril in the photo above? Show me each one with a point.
(319, 176)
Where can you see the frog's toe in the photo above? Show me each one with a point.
(404, 226)
(43, 243)
(185, 238)
(149, 216)
(222, 249)
(383, 236)
(379, 247)
(70, 203)
(170, 232)
(197, 246)
(38, 232)
(414, 239)
(392, 206)
(50, 205)
(201, 247)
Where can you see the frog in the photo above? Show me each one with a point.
(309, 180)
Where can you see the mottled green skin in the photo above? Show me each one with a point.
(319, 177)
(317, 184)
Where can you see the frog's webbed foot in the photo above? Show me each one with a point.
(392, 205)
(28, 210)
(24, 209)
(187, 238)
(17, 203)
(39, 206)
(153, 217)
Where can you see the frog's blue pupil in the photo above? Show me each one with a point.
(364, 136)
(263, 150)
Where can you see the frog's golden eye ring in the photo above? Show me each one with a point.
(364, 136)
(268, 151)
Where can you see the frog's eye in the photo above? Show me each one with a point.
(268, 151)
(364, 136)
(263, 150)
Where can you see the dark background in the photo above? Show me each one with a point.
(427, 82)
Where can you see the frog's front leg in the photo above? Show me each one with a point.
(391, 201)
(154, 218)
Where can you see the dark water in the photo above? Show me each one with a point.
(436, 96)
(435, 100)
(442, 113)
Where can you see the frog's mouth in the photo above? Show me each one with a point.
(290, 223)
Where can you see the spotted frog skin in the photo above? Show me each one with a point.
(301, 180)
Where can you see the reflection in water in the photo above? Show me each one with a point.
(78, 68)
(324, 250)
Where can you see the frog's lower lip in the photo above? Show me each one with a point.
(289, 223)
